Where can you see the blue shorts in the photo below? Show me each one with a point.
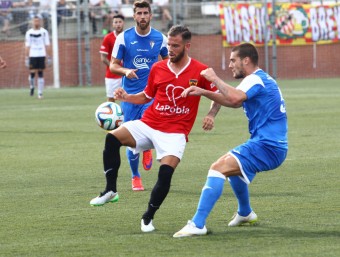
(256, 156)
(133, 111)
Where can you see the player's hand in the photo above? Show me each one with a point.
(49, 61)
(120, 94)
(193, 90)
(27, 62)
(208, 123)
(209, 74)
(131, 74)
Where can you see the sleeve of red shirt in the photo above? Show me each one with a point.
(104, 47)
(207, 85)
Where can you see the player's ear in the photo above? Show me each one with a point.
(246, 60)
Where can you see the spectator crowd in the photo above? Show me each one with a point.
(19, 13)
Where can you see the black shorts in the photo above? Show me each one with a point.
(37, 63)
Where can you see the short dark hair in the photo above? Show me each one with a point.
(247, 50)
(119, 16)
(180, 30)
(37, 16)
(141, 4)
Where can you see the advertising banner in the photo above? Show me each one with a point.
(295, 24)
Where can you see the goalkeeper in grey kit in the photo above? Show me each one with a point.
(37, 52)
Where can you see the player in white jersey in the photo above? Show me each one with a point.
(264, 106)
(37, 51)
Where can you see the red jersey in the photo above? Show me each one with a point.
(170, 112)
(106, 48)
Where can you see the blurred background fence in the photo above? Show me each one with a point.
(79, 28)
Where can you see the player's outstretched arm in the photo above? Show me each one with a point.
(231, 97)
(121, 95)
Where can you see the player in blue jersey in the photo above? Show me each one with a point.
(264, 106)
(135, 51)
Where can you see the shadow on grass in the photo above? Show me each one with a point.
(274, 232)
(253, 194)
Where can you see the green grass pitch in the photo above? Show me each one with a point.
(51, 167)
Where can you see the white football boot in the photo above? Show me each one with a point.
(238, 220)
(109, 197)
(190, 229)
(146, 228)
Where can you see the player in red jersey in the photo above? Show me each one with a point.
(112, 81)
(165, 125)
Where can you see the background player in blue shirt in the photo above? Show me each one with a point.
(266, 149)
(138, 48)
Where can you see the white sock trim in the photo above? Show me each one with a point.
(215, 173)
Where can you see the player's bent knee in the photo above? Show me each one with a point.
(124, 136)
(111, 143)
(227, 165)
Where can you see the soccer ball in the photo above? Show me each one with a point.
(109, 115)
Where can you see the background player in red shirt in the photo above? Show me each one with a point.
(165, 125)
(112, 81)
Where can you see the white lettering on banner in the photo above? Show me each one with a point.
(255, 23)
(245, 23)
(252, 19)
(238, 31)
(322, 23)
(228, 17)
(330, 23)
(244, 19)
(258, 23)
(263, 23)
(337, 18)
(314, 24)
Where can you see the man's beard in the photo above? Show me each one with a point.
(239, 75)
(119, 30)
(178, 57)
(143, 26)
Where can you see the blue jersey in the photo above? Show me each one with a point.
(139, 52)
(265, 109)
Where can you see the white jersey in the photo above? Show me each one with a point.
(37, 40)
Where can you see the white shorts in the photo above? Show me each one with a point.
(146, 138)
(111, 85)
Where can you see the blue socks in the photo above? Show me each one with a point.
(211, 192)
(241, 192)
(133, 160)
